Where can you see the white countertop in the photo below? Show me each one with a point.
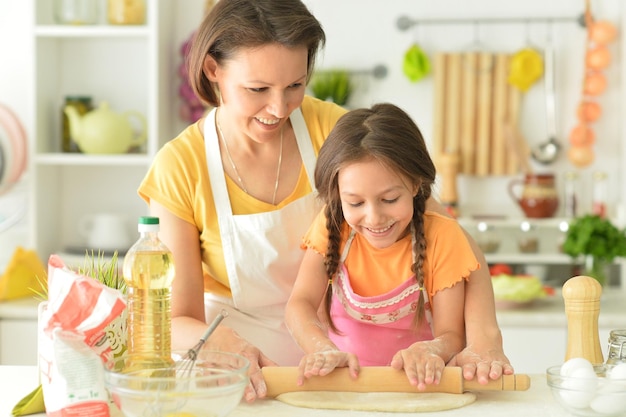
(17, 381)
(20, 309)
(547, 312)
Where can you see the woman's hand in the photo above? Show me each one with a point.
(225, 339)
(422, 365)
(324, 362)
(482, 363)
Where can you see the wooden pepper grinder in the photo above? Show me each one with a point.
(582, 308)
(449, 169)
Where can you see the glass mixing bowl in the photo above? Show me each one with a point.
(211, 387)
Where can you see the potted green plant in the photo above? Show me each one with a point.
(108, 272)
(97, 266)
(334, 85)
(598, 240)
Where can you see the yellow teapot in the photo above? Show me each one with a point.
(103, 131)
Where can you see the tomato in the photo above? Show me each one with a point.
(500, 269)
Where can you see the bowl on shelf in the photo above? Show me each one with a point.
(587, 390)
(518, 291)
(213, 386)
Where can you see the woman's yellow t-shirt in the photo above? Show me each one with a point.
(178, 179)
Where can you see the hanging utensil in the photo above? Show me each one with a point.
(547, 152)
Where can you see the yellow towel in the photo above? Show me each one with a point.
(31, 404)
(24, 277)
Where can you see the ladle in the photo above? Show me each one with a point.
(547, 152)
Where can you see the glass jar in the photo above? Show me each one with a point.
(617, 347)
(570, 194)
(83, 105)
(126, 12)
(528, 241)
(487, 238)
(598, 204)
(76, 12)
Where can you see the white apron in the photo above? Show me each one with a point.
(262, 254)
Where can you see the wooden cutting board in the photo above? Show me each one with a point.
(473, 102)
(282, 379)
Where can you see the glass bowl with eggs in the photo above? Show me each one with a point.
(587, 390)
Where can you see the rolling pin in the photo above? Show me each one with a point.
(282, 379)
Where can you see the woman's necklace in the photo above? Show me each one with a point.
(232, 163)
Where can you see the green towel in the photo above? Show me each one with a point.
(31, 404)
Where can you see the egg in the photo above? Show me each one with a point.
(573, 364)
(618, 372)
(579, 384)
(610, 398)
(609, 403)
(579, 389)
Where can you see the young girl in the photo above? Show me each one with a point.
(392, 272)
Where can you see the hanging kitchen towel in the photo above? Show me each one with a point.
(30, 404)
(415, 64)
(24, 276)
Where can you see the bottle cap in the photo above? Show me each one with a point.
(148, 224)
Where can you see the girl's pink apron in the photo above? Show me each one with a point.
(262, 254)
(376, 328)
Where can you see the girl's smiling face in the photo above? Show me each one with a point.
(377, 202)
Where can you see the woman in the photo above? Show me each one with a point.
(234, 190)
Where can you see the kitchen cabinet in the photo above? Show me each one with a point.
(125, 65)
(532, 350)
(18, 332)
(535, 336)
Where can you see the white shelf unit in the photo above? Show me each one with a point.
(507, 232)
(550, 233)
(126, 66)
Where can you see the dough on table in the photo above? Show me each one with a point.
(400, 402)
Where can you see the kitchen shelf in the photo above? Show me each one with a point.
(530, 258)
(92, 160)
(126, 66)
(509, 222)
(92, 31)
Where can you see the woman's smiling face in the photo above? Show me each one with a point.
(377, 202)
(260, 88)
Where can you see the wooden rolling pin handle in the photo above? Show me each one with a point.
(282, 379)
(517, 382)
(581, 295)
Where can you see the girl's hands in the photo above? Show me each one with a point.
(422, 365)
(324, 362)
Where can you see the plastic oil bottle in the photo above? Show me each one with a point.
(148, 271)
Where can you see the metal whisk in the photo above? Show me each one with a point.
(186, 363)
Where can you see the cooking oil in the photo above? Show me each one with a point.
(148, 272)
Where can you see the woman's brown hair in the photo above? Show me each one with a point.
(387, 134)
(235, 24)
